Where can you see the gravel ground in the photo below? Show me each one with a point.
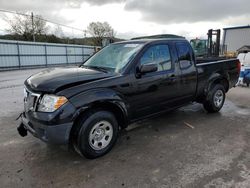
(159, 152)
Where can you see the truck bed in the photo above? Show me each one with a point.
(225, 68)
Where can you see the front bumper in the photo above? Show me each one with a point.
(53, 134)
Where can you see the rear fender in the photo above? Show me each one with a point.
(217, 78)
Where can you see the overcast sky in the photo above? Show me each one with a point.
(130, 18)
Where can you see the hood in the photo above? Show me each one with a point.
(56, 79)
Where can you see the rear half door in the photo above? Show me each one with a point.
(188, 71)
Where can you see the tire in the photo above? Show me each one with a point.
(97, 133)
(215, 99)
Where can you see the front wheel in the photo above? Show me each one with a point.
(97, 134)
(215, 99)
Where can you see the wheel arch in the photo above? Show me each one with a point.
(99, 99)
(218, 78)
(111, 106)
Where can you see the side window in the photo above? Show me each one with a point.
(184, 55)
(158, 54)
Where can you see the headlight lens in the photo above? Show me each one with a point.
(50, 103)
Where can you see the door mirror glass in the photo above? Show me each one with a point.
(184, 64)
(147, 68)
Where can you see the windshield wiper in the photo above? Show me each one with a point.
(96, 68)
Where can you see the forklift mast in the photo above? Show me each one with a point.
(213, 48)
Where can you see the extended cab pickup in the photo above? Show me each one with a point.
(86, 106)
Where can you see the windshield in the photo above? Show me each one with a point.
(113, 57)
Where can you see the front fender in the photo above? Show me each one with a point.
(86, 99)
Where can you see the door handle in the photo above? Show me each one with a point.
(170, 79)
(172, 76)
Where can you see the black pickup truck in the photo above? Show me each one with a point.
(86, 106)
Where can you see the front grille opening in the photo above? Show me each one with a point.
(31, 100)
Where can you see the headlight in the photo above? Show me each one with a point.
(50, 103)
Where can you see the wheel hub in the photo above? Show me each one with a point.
(100, 135)
(218, 98)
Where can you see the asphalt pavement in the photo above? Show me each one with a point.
(184, 148)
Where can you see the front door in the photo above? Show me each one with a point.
(153, 89)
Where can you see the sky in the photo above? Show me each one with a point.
(133, 18)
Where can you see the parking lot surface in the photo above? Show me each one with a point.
(184, 148)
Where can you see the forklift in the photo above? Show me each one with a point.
(207, 47)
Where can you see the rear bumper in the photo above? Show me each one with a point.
(53, 134)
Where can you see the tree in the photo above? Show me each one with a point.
(58, 32)
(26, 27)
(100, 31)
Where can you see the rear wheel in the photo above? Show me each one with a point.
(215, 99)
(97, 134)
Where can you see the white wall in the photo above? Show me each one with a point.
(236, 38)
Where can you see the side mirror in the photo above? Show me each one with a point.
(147, 68)
(184, 64)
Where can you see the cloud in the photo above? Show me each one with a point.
(50, 9)
(130, 34)
(49, 5)
(139, 17)
(32, 5)
(157, 11)
(103, 2)
(179, 11)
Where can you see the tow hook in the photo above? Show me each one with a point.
(21, 130)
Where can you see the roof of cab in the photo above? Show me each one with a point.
(161, 36)
(152, 38)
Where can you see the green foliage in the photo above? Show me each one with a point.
(55, 39)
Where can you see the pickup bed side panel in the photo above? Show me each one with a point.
(210, 72)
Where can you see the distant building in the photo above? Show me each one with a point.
(236, 37)
(244, 49)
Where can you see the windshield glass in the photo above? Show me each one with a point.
(113, 57)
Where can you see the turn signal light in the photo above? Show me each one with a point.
(61, 101)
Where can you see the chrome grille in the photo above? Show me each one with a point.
(30, 100)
